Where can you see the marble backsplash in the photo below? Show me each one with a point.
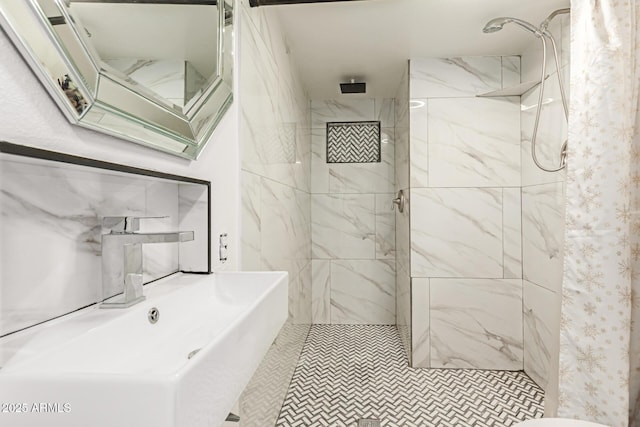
(51, 223)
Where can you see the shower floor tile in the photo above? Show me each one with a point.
(349, 372)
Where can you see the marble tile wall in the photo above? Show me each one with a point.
(193, 206)
(476, 323)
(420, 300)
(402, 235)
(51, 223)
(352, 224)
(541, 318)
(456, 232)
(465, 220)
(543, 214)
(275, 158)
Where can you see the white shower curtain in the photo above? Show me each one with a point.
(600, 321)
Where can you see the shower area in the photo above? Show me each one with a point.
(469, 272)
(479, 246)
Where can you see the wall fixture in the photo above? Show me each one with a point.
(543, 34)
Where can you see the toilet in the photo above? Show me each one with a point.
(557, 422)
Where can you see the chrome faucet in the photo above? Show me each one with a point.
(122, 258)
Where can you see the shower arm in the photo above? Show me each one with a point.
(545, 24)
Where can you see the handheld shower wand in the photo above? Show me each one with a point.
(543, 34)
(497, 24)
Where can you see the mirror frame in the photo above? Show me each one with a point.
(97, 97)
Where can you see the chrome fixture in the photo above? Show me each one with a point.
(498, 23)
(546, 22)
(153, 315)
(543, 34)
(122, 258)
(398, 201)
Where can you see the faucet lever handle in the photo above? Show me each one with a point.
(125, 224)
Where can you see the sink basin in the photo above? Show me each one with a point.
(108, 368)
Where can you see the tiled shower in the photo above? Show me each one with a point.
(479, 256)
(470, 271)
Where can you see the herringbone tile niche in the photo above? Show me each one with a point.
(353, 142)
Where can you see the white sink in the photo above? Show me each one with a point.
(114, 368)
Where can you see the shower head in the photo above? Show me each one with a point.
(353, 87)
(496, 24)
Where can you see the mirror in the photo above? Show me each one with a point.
(155, 72)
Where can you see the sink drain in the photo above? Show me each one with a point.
(153, 315)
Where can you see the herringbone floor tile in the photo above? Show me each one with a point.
(348, 372)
